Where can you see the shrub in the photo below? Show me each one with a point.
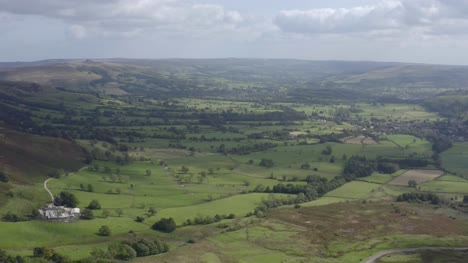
(268, 163)
(66, 199)
(94, 205)
(43, 252)
(419, 197)
(4, 177)
(10, 217)
(122, 251)
(412, 183)
(104, 231)
(166, 225)
(87, 214)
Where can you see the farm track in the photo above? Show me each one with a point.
(411, 250)
(46, 181)
(47, 189)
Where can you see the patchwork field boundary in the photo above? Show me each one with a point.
(418, 170)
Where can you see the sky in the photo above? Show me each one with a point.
(421, 31)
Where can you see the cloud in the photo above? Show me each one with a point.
(129, 17)
(77, 32)
(432, 16)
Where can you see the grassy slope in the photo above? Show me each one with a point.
(350, 233)
(28, 160)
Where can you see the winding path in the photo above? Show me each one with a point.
(46, 181)
(411, 250)
(47, 189)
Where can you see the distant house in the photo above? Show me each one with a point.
(59, 213)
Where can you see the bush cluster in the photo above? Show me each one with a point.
(207, 219)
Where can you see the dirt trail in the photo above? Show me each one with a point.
(411, 250)
(46, 181)
(47, 189)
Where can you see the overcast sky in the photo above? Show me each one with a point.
(428, 31)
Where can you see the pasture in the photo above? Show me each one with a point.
(325, 201)
(440, 186)
(354, 190)
(397, 112)
(358, 140)
(455, 159)
(420, 176)
(379, 178)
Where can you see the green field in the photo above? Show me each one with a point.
(397, 112)
(379, 178)
(354, 190)
(454, 159)
(325, 201)
(446, 187)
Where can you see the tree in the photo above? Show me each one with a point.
(55, 173)
(66, 199)
(43, 252)
(268, 163)
(328, 150)
(104, 231)
(58, 258)
(166, 225)
(90, 188)
(10, 217)
(412, 183)
(107, 169)
(105, 213)
(119, 211)
(148, 172)
(121, 251)
(87, 214)
(4, 177)
(94, 205)
(151, 211)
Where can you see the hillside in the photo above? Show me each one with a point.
(243, 79)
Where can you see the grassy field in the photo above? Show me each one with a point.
(454, 159)
(440, 186)
(326, 201)
(401, 112)
(379, 178)
(420, 176)
(354, 190)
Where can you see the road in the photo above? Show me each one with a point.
(411, 250)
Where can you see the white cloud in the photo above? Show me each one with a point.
(77, 32)
(129, 17)
(387, 15)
